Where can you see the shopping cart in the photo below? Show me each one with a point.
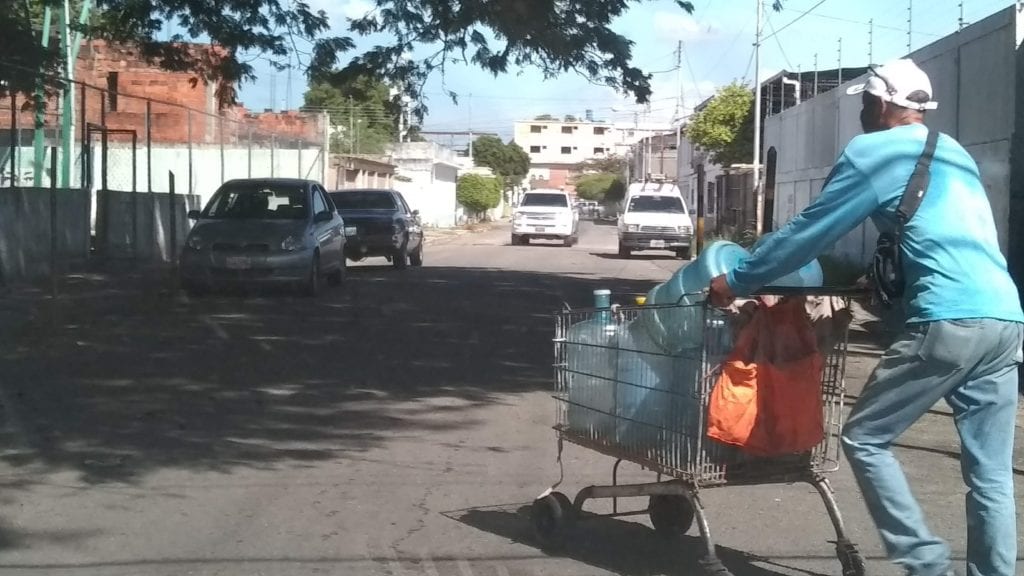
(613, 397)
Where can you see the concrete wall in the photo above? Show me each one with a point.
(974, 80)
(428, 175)
(25, 231)
(116, 228)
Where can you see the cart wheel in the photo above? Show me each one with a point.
(671, 515)
(850, 558)
(552, 516)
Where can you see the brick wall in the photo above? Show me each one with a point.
(137, 81)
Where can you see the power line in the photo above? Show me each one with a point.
(789, 65)
(693, 77)
(862, 23)
(795, 20)
(749, 62)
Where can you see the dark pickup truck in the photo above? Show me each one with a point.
(379, 223)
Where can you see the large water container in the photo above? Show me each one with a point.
(656, 401)
(680, 328)
(591, 358)
(808, 276)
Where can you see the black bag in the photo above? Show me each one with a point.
(887, 264)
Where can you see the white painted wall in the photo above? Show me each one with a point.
(973, 75)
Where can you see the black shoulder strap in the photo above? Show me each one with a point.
(919, 180)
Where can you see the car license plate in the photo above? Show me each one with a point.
(657, 243)
(539, 229)
(238, 263)
(351, 231)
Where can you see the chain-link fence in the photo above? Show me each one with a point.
(121, 139)
(124, 145)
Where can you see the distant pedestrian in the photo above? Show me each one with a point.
(963, 332)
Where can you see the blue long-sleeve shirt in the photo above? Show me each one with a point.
(952, 262)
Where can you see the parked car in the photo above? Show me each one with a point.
(655, 221)
(266, 231)
(545, 214)
(379, 222)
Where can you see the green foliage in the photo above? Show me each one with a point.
(364, 118)
(478, 193)
(725, 128)
(611, 164)
(595, 186)
(509, 162)
(616, 191)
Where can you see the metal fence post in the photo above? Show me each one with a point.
(53, 222)
(189, 116)
(173, 233)
(149, 147)
(273, 138)
(14, 141)
(220, 130)
(103, 142)
(298, 152)
(135, 196)
(249, 146)
(86, 155)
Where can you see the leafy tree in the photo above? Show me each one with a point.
(478, 193)
(508, 161)
(364, 118)
(595, 186)
(725, 128)
(617, 191)
(611, 164)
(556, 37)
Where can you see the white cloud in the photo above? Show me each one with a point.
(338, 11)
(678, 26)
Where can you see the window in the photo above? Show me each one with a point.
(630, 134)
(669, 204)
(405, 205)
(364, 200)
(567, 129)
(711, 198)
(327, 197)
(599, 151)
(535, 129)
(545, 199)
(534, 149)
(566, 149)
(254, 200)
(112, 78)
(318, 202)
(600, 130)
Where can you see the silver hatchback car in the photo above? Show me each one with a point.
(265, 231)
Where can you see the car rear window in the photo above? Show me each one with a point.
(363, 200)
(543, 199)
(259, 201)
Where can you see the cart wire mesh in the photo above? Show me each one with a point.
(628, 395)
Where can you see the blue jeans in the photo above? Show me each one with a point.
(973, 365)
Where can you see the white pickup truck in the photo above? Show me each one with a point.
(547, 215)
(655, 220)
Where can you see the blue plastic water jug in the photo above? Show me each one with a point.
(678, 328)
(808, 276)
(591, 356)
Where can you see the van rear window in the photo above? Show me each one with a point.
(670, 204)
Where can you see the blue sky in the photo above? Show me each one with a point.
(718, 41)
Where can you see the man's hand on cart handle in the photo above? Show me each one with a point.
(720, 294)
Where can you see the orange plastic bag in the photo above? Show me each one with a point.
(767, 400)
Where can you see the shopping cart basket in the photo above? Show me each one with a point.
(621, 397)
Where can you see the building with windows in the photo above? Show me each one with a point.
(557, 147)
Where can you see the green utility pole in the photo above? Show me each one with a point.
(40, 117)
(70, 50)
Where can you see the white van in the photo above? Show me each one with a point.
(655, 217)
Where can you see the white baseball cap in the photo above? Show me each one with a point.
(897, 80)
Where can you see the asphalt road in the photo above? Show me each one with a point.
(399, 425)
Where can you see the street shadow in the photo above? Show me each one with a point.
(118, 378)
(637, 256)
(613, 545)
(601, 222)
